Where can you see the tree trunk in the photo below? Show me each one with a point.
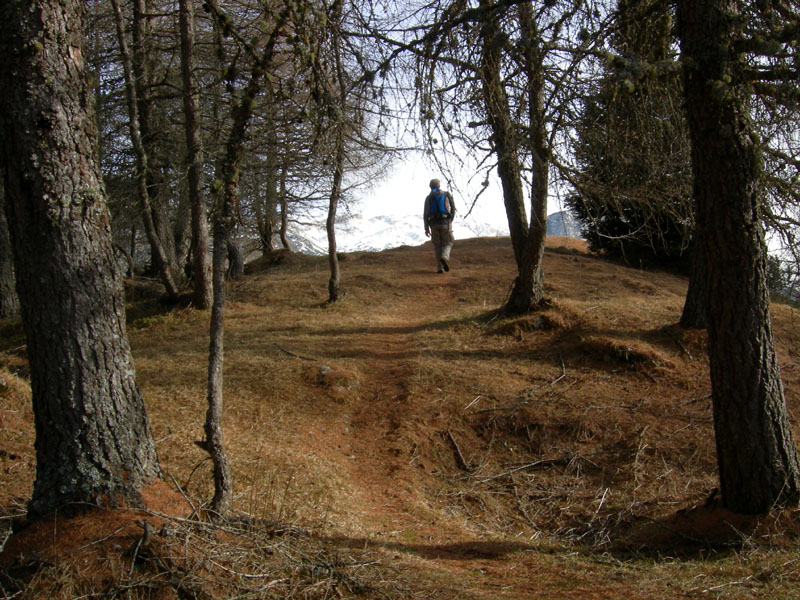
(757, 459)
(214, 443)
(224, 216)
(93, 442)
(528, 245)
(284, 211)
(694, 307)
(142, 64)
(265, 207)
(235, 258)
(335, 280)
(538, 146)
(201, 265)
(162, 263)
(340, 95)
(9, 302)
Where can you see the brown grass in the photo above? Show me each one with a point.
(408, 442)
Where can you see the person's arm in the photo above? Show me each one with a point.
(452, 205)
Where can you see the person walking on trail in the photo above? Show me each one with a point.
(438, 216)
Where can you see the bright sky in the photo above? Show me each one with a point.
(404, 191)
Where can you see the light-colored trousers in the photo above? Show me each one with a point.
(442, 238)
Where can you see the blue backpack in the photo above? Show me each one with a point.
(438, 205)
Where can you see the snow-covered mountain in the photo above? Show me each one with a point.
(372, 234)
(563, 223)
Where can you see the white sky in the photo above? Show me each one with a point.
(403, 192)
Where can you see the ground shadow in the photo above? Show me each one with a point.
(478, 549)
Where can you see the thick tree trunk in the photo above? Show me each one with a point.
(528, 244)
(538, 146)
(9, 302)
(159, 254)
(757, 459)
(93, 443)
(201, 265)
(235, 259)
(694, 307)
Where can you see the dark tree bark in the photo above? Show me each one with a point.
(93, 443)
(335, 279)
(527, 240)
(757, 459)
(533, 64)
(235, 258)
(201, 265)
(9, 302)
(266, 202)
(694, 306)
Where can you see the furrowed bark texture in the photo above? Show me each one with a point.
(694, 306)
(93, 443)
(757, 458)
(9, 302)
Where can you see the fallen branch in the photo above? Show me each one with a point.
(460, 462)
(547, 462)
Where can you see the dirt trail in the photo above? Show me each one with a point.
(384, 464)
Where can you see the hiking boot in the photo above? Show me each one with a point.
(445, 264)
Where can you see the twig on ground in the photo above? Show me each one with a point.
(295, 354)
(539, 463)
(460, 461)
(185, 497)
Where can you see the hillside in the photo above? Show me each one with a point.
(409, 443)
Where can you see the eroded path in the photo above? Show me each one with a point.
(393, 421)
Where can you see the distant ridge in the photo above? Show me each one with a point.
(563, 224)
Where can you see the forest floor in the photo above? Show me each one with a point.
(408, 442)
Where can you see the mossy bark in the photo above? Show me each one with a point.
(93, 442)
(757, 459)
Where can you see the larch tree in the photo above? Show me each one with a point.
(757, 458)
(93, 442)
(201, 265)
(226, 189)
(498, 79)
(139, 109)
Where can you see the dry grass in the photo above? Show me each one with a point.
(410, 443)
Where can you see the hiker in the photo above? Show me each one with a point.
(438, 216)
